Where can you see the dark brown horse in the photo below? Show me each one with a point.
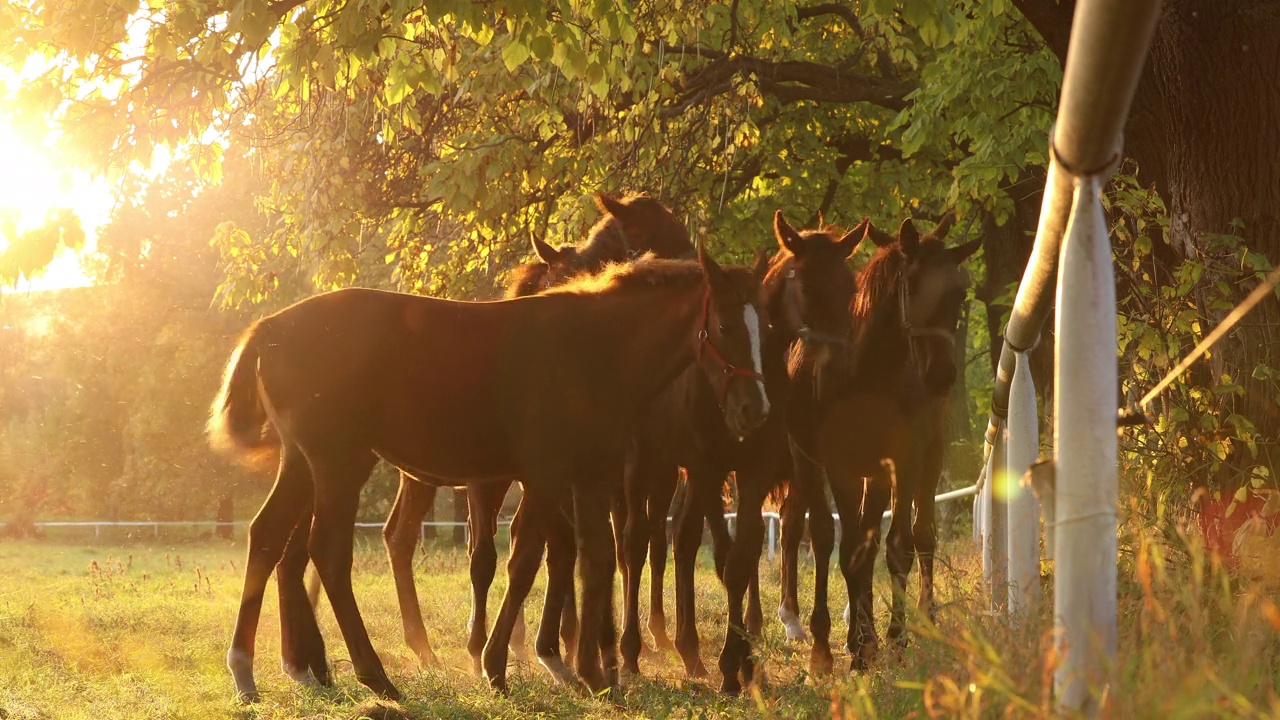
(807, 291)
(880, 439)
(634, 225)
(545, 389)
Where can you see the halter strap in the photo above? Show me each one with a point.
(904, 297)
(728, 369)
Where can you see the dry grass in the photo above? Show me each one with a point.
(140, 631)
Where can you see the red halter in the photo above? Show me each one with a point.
(729, 369)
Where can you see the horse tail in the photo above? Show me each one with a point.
(238, 422)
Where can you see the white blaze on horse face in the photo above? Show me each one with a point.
(752, 320)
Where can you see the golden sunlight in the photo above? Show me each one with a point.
(33, 183)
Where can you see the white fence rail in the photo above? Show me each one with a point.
(772, 522)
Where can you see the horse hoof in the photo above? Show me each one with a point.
(795, 630)
(821, 662)
(661, 642)
(699, 671)
(731, 687)
(300, 675)
(382, 687)
(498, 683)
(251, 697)
(560, 673)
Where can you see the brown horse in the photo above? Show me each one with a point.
(544, 388)
(631, 226)
(880, 437)
(807, 291)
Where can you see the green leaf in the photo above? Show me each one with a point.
(541, 47)
(514, 54)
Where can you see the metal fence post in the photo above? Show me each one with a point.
(1084, 401)
(1024, 511)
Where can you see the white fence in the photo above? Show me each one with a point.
(1109, 42)
(772, 522)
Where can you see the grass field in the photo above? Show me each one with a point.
(139, 630)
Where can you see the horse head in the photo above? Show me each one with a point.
(729, 343)
(809, 287)
(930, 296)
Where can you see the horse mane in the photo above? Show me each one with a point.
(646, 271)
(525, 279)
(878, 281)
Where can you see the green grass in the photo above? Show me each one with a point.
(140, 631)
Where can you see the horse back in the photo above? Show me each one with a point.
(406, 375)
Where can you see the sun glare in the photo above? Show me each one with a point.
(32, 184)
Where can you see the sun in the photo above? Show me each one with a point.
(33, 183)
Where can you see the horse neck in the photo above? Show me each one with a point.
(656, 349)
(882, 345)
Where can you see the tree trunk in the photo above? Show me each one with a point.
(1216, 66)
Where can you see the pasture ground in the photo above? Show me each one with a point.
(140, 629)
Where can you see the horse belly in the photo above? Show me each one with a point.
(860, 432)
(452, 438)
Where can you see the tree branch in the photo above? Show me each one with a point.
(845, 13)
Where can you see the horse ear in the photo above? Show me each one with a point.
(821, 223)
(940, 231)
(878, 237)
(547, 254)
(908, 237)
(710, 268)
(760, 267)
(610, 206)
(787, 235)
(850, 241)
(960, 253)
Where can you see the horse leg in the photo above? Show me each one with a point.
(688, 538)
(400, 535)
(569, 613)
(791, 520)
(302, 654)
(597, 560)
(712, 503)
(743, 562)
(924, 533)
(660, 491)
(876, 497)
(810, 481)
(493, 495)
(755, 614)
(338, 481)
(528, 539)
(268, 535)
(635, 538)
(560, 556)
(899, 552)
(618, 524)
(484, 564)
